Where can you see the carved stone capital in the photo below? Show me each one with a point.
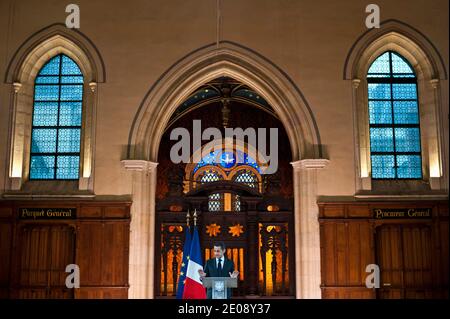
(17, 86)
(310, 164)
(434, 83)
(356, 83)
(139, 165)
(93, 86)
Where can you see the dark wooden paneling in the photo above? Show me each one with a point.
(116, 212)
(345, 252)
(90, 211)
(412, 253)
(105, 245)
(38, 251)
(89, 253)
(444, 249)
(6, 211)
(358, 211)
(45, 251)
(405, 260)
(332, 211)
(6, 229)
(347, 293)
(102, 293)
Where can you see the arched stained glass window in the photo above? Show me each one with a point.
(227, 160)
(246, 177)
(232, 165)
(394, 119)
(210, 176)
(56, 127)
(215, 201)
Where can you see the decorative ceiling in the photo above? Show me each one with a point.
(224, 90)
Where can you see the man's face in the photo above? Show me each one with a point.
(218, 252)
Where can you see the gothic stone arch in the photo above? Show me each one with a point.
(174, 86)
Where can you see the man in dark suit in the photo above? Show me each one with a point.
(219, 266)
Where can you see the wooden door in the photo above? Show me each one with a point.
(45, 251)
(404, 256)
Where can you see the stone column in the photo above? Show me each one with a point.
(85, 182)
(437, 164)
(363, 181)
(15, 163)
(307, 234)
(142, 228)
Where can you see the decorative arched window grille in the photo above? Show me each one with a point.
(246, 177)
(56, 124)
(394, 119)
(215, 201)
(209, 176)
(236, 166)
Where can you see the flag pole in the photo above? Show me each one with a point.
(195, 216)
(188, 216)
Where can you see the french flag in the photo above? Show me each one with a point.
(193, 287)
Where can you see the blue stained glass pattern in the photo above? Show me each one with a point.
(380, 112)
(407, 139)
(42, 167)
(226, 164)
(47, 80)
(383, 166)
(71, 93)
(69, 66)
(251, 95)
(46, 92)
(399, 66)
(390, 64)
(67, 167)
(51, 139)
(398, 75)
(199, 96)
(69, 140)
(247, 177)
(406, 112)
(210, 176)
(218, 157)
(215, 202)
(227, 159)
(237, 203)
(70, 114)
(381, 139)
(251, 162)
(72, 79)
(45, 114)
(380, 66)
(379, 91)
(209, 159)
(51, 67)
(409, 166)
(404, 91)
(43, 141)
(245, 159)
(394, 138)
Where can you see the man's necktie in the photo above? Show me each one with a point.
(219, 266)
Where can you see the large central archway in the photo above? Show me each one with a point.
(174, 86)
